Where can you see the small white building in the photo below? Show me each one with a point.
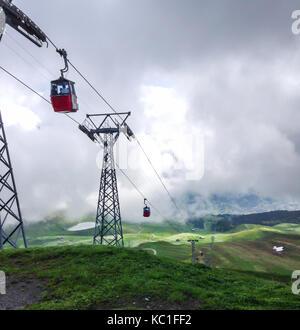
(278, 249)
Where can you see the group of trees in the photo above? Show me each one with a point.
(226, 222)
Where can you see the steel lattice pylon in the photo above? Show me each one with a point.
(11, 222)
(108, 227)
(194, 258)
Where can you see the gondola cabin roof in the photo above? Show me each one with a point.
(61, 80)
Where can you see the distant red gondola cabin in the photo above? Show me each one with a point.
(63, 96)
(147, 212)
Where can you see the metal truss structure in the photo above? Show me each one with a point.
(193, 242)
(11, 222)
(13, 16)
(108, 226)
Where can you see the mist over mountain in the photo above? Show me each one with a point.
(197, 204)
(192, 206)
(213, 87)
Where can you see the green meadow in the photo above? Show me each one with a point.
(244, 272)
(100, 277)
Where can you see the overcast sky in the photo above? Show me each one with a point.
(213, 86)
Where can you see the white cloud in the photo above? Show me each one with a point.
(16, 109)
(235, 88)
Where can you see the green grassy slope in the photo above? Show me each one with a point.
(181, 252)
(288, 227)
(258, 255)
(86, 277)
(55, 232)
(248, 250)
(247, 247)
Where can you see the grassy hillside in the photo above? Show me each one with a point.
(86, 277)
(248, 250)
(248, 247)
(257, 255)
(55, 232)
(288, 227)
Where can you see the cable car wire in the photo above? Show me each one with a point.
(86, 80)
(28, 87)
(35, 92)
(23, 58)
(138, 142)
(51, 74)
(74, 120)
(138, 190)
(157, 174)
(114, 110)
(93, 88)
(29, 53)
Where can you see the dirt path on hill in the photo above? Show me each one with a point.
(20, 293)
(152, 250)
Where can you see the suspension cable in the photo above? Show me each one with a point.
(139, 143)
(74, 120)
(29, 53)
(23, 58)
(111, 107)
(51, 74)
(114, 110)
(138, 190)
(157, 174)
(144, 197)
(35, 92)
(93, 88)
(86, 80)
(28, 87)
(137, 140)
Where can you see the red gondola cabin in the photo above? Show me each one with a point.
(147, 212)
(63, 96)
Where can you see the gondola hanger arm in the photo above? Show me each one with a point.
(63, 53)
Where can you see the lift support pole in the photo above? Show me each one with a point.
(193, 241)
(106, 129)
(11, 222)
